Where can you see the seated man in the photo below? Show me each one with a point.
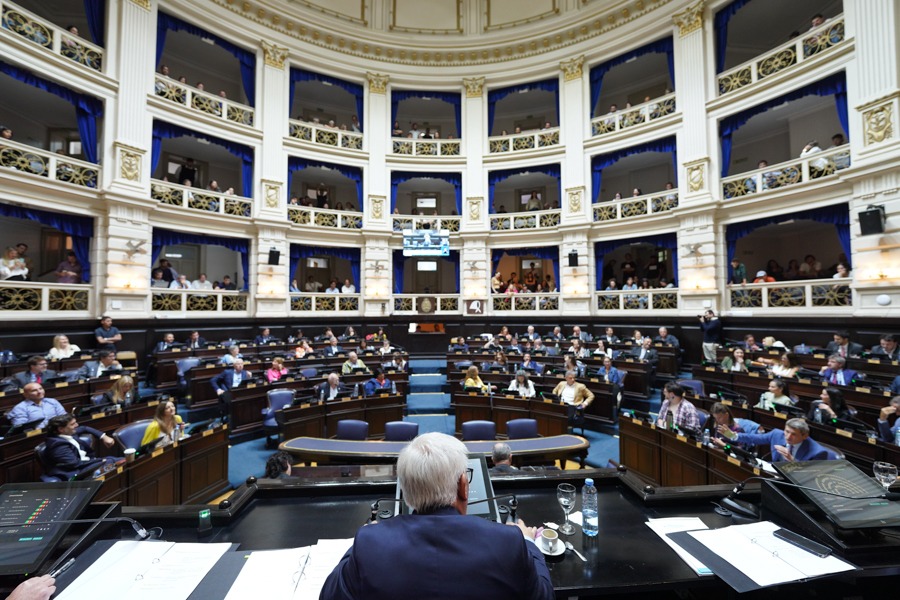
(378, 384)
(530, 365)
(458, 344)
(228, 379)
(835, 373)
(842, 346)
(106, 364)
(264, 337)
(645, 352)
(886, 433)
(556, 335)
(531, 334)
(398, 363)
(666, 339)
(65, 455)
(792, 443)
(352, 363)
(501, 456)
(887, 347)
(167, 343)
(750, 343)
(610, 337)
(538, 347)
(331, 388)
(37, 372)
(332, 349)
(195, 341)
(397, 558)
(35, 406)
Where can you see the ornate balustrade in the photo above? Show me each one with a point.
(798, 50)
(27, 159)
(811, 293)
(539, 219)
(634, 116)
(439, 304)
(637, 206)
(326, 136)
(800, 170)
(656, 299)
(307, 303)
(325, 217)
(411, 147)
(53, 38)
(198, 199)
(58, 299)
(522, 142)
(401, 222)
(194, 301)
(210, 104)
(524, 302)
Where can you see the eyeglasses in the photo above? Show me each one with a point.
(469, 473)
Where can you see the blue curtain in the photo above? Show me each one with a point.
(355, 89)
(454, 179)
(453, 257)
(80, 228)
(299, 251)
(669, 241)
(545, 252)
(495, 96)
(298, 163)
(246, 58)
(837, 214)
(601, 161)
(721, 28)
(455, 100)
(663, 46)
(495, 177)
(399, 262)
(163, 130)
(87, 108)
(166, 237)
(95, 11)
(835, 85)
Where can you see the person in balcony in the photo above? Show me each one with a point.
(610, 121)
(181, 283)
(843, 271)
(333, 287)
(763, 277)
(187, 171)
(312, 286)
(792, 272)
(534, 202)
(818, 165)
(322, 196)
(6, 133)
(226, 284)
(811, 268)
(414, 132)
(12, 267)
(636, 192)
(295, 287)
(665, 283)
(774, 270)
(629, 267)
(157, 281)
(69, 270)
(348, 287)
(396, 131)
(612, 286)
(631, 285)
(549, 284)
(498, 286)
(201, 283)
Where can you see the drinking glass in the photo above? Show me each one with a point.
(885, 473)
(565, 493)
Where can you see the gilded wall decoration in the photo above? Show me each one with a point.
(271, 194)
(690, 19)
(274, 55)
(145, 4)
(377, 203)
(878, 123)
(475, 209)
(696, 178)
(474, 87)
(129, 165)
(377, 82)
(572, 69)
(575, 196)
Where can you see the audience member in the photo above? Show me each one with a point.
(181, 283)
(35, 407)
(65, 453)
(811, 268)
(107, 335)
(738, 272)
(69, 270)
(226, 285)
(12, 268)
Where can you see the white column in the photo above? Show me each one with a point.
(574, 129)
(474, 133)
(272, 97)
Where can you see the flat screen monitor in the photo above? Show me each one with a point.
(426, 242)
(24, 547)
(479, 489)
(842, 477)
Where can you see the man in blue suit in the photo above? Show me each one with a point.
(885, 431)
(792, 444)
(438, 552)
(226, 380)
(835, 373)
(65, 454)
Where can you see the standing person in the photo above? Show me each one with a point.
(22, 247)
(107, 336)
(711, 327)
(738, 272)
(397, 557)
(69, 270)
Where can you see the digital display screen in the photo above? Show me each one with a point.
(25, 509)
(479, 488)
(426, 242)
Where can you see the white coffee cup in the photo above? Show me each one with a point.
(129, 454)
(549, 539)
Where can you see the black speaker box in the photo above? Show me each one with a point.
(871, 221)
(573, 259)
(274, 255)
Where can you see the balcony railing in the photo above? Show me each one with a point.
(192, 301)
(49, 36)
(409, 147)
(324, 217)
(326, 136)
(55, 298)
(27, 159)
(542, 219)
(446, 304)
(656, 299)
(791, 294)
(798, 50)
(522, 142)
(809, 168)
(324, 302)
(523, 302)
(198, 199)
(210, 104)
(402, 222)
(634, 116)
(637, 206)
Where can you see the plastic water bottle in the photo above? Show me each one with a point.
(393, 388)
(356, 390)
(897, 436)
(705, 437)
(589, 516)
(817, 415)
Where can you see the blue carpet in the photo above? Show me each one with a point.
(427, 403)
(603, 448)
(247, 458)
(427, 365)
(426, 383)
(429, 423)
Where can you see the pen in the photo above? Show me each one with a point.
(60, 570)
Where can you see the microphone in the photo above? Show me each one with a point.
(386, 514)
(513, 503)
(138, 528)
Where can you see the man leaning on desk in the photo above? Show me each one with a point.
(791, 444)
(439, 552)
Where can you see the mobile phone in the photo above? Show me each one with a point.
(807, 544)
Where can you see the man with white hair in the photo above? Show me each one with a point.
(437, 551)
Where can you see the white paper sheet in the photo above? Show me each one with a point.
(672, 525)
(323, 558)
(280, 570)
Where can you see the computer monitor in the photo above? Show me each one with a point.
(479, 488)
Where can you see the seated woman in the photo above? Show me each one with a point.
(504, 335)
(386, 349)
(363, 347)
(571, 364)
(234, 352)
(62, 348)
(278, 466)
(736, 361)
(303, 349)
(578, 350)
(682, 413)
(601, 349)
(277, 370)
(777, 395)
(166, 426)
(522, 385)
(785, 366)
(379, 336)
(474, 381)
(832, 406)
(349, 334)
(722, 421)
(123, 392)
(500, 362)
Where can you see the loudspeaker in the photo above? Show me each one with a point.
(274, 255)
(871, 221)
(573, 259)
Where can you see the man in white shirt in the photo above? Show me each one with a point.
(348, 287)
(202, 283)
(312, 286)
(180, 284)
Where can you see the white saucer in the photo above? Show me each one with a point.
(560, 548)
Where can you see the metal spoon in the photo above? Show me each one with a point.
(572, 548)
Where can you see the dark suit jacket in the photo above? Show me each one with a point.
(61, 457)
(808, 450)
(438, 556)
(223, 380)
(201, 343)
(877, 350)
(263, 339)
(332, 350)
(849, 375)
(23, 378)
(886, 432)
(343, 390)
(853, 349)
(670, 340)
(652, 355)
(90, 369)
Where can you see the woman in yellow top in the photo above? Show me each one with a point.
(473, 380)
(166, 425)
